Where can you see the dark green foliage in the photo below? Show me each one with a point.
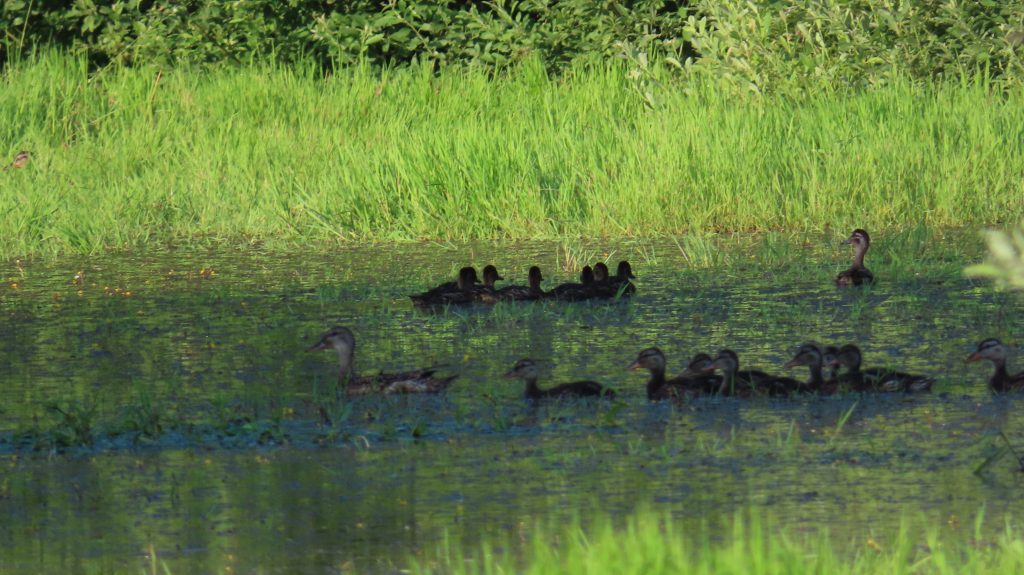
(494, 33)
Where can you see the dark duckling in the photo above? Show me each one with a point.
(876, 378)
(746, 383)
(526, 369)
(810, 355)
(618, 285)
(857, 274)
(997, 352)
(575, 291)
(460, 289)
(530, 292)
(341, 340)
(487, 293)
(693, 383)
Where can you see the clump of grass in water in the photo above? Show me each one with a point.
(654, 543)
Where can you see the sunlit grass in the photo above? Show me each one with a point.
(133, 157)
(651, 543)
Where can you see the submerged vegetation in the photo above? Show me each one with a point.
(145, 156)
(653, 543)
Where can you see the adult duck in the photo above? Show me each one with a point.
(693, 383)
(343, 342)
(857, 274)
(997, 352)
(875, 378)
(526, 369)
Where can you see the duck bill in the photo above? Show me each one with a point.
(792, 363)
(973, 357)
(846, 242)
(508, 374)
(318, 346)
(634, 365)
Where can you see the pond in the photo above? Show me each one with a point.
(164, 402)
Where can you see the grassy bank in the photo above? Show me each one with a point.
(132, 157)
(652, 543)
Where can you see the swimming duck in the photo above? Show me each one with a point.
(693, 383)
(575, 291)
(529, 292)
(487, 293)
(745, 383)
(875, 378)
(857, 274)
(341, 340)
(997, 352)
(618, 285)
(450, 292)
(810, 355)
(526, 369)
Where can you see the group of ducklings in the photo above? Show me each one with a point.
(467, 288)
(704, 376)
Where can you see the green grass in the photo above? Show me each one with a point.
(651, 543)
(125, 158)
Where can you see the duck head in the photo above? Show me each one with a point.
(600, 272)
(991, 349)
(523, 369)
(650, 358)
(586, 276)
(624, 271)
(535, 277)
(806, 354)
(490, 276)
(343, 342)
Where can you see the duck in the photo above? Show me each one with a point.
(746, 383)
(20, 161)
(343, 341)
(810, 355)
(693, 383)
(575, 291)
(450, 292)
(857, 274)
(875, 378)
(997, 352)
(530, 292)
(618, 285)
(487, 293)
(526, 369)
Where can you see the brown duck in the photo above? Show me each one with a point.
(342, 341)
(526, 369)
(857, 274)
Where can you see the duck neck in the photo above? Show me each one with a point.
(998, 380)
(728, 382)
(345, 367)
(816, 378)
(535, 287)
(858, 256)
(656, 382)
(532, 389)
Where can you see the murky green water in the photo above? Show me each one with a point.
(208, 445)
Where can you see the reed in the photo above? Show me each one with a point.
(283, 156)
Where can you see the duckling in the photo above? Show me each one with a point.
(875, 378)
(747, 382)
(575, 291)
(342, 340)
(617, 286)
(460, 289)
(693, 383)
(997, 352)
(810, 355)
(526, 369)
(530, 292)
(857, 274)
(487, 293)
